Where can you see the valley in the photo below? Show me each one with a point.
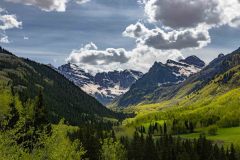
(119, 80)
(201, 103)
(216, 104)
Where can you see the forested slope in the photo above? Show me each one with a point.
(26, 78)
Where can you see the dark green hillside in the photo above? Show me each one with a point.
(61, 97)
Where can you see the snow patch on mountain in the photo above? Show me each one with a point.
(107, 86)
(182, 69)
(104, 86)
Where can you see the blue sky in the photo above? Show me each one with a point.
(53, 35)
(50, 36)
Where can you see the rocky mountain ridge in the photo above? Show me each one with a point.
(104, 86)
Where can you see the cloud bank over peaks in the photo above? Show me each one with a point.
(48, 5)
(178, 25)
(140, 58)
(90, 54)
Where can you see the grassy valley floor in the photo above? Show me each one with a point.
(226, 136)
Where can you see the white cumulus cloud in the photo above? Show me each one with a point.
(135, 30)
(26, 38)
(171, 27)
(4, 39)
(82, 1)
(192, 13)
(160, 39)
(7, 21)
(48, 5)
(90, 54)
(140, 58)
(182, 24)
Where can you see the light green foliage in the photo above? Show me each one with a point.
(56, 147)
(5, 100)
(124, 131)
(59, 147)
(214, 100)
(113, 150)
(9, 150)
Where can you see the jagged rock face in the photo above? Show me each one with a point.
(76, 74)
(194, 60)
(124, 78)
(170, 73)
(220, 55)
(107, 86)
(183, 69)
(104, 86)
(160, 75)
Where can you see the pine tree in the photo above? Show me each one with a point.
(13, 116)
(40, 113)
(160, 130)
(222, 154)
(33, 124)
(113, 135)
(165, 128)
(136, 147)
(191, 127)
(232, 154)
(216, 152)
(150, 148)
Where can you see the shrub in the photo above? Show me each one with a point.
(212, 130)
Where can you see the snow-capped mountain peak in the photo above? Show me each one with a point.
(104, 86)
(182, 69)
(194, 60)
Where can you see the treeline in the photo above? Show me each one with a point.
(2, 50)
(175, 128)
(186, 119)
(27, 134)
(168, 147)
(171, 127)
